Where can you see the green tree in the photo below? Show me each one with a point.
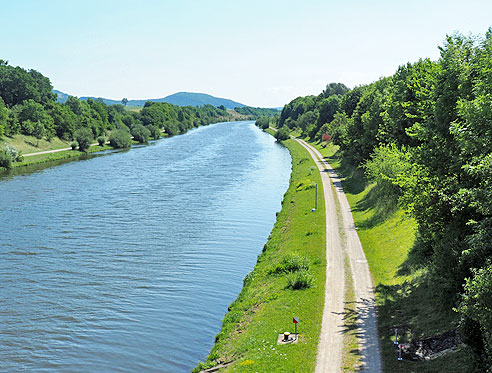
(3, 117)
(335, 89)
(282, 134)
(38, 130)
(120, 139)
(140, 133)
(124, 101)
(84, 137)
(155, 133)
(263, 122)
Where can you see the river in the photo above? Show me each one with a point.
(127, 262)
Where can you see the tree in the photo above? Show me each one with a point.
(335, 89)
(140, 133)
(124, 101)
(83, 136)
(18, 85)
(155, 133)
(3, 117)
(282, 134)
(263, 122)
(38, 130)
(120, 139)
(101, 140)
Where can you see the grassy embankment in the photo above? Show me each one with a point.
(265, 306)
(403, 294)
(29, 144)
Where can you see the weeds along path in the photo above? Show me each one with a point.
(363, 286)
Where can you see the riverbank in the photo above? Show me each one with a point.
(41, 151)
(266, 305)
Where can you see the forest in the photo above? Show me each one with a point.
(28, 106)
(424, 136)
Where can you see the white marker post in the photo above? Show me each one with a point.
(315, 198)
(295, 320)
(399, 353)
(396, 336)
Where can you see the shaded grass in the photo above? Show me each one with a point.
(265, 307)
(404, 295)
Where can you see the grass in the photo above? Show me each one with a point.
(403, 295)
(265, 306)
(30, 144)
(58, 156)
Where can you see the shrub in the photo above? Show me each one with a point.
(74, 145)
(5, 159)
(263, 122)
(291, 263)
(155, 133)
(120, 139)
(282, 134)
(300, 280)
(140, 133)
(84, 137)
(101, 140)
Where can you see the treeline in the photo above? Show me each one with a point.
(425, 136)
(28, 106)
(255, 112)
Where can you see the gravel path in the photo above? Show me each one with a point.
(330, 348)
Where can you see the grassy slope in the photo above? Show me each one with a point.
(264, 308)
(403, 295)
(29, 144)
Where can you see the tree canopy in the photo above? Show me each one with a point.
(425, 135)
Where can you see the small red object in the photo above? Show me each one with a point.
(295, 320)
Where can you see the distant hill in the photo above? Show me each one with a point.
(180, 99)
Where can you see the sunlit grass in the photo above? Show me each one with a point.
(265, 307)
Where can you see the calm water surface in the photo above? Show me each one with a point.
(128, 262)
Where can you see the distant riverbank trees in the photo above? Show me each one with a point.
(424, 134)
(29, 107)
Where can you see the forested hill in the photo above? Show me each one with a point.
(179, 99)
(424, 135)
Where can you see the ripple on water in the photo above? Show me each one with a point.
(128, 262)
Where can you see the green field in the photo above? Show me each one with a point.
(403, 294)
(265, 306)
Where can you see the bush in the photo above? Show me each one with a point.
(282, 134)
(84, 138)
(263, 122)
(74, 145)
(291, 263)
(300, 280)
(120, 139)
(140, 133)
(476, 311)
(5, 159)
(101, 140)
(155, 133)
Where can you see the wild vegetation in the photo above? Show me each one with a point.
(424, 137)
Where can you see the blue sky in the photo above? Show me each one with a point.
(260, 53)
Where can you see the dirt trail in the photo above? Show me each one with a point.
(54, 151)
(330, 348)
